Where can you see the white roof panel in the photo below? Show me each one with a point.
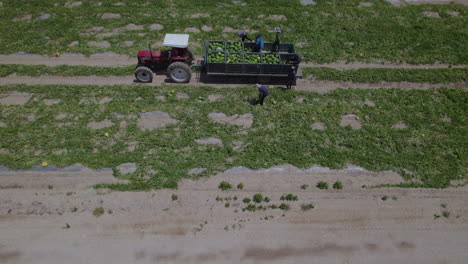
(176, 40)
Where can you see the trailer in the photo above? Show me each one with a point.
(237, 59)
(221, 58)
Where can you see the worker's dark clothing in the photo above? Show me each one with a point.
(243, 35)
(275, 47)
(262, 93)
(296, 60)
(291, 79)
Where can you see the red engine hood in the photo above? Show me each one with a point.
(146, 53)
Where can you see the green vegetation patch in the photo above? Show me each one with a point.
(64, 70)
(329, 31)
(431, 146)
(373, 75)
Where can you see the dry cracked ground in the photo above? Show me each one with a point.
(52, 215)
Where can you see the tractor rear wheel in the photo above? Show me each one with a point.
(190, 56)
(144, 74)
(179, 72)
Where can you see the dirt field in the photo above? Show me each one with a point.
(352, 225)
(46, 215)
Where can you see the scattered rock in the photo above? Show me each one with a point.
(318, 126)
(229, 29)
(134, 27)
(128, 43)
(50, 102)
(206, 28)
(245, 120)
(127, 168)
(110, 16)
(100, 44)
(447, 119)
(156, 27)
(182, 96)
(192, 29)
(25, 17)
(59, 152)
(453, 13)
(300, 99)
(2, 124)
(431, 14)
(365, 4)
(210, 141)
(277, 17)
(155, 120)
(196, 171)
(44, 16)
(197, 15)
(62, 116)
(308, 2)
(161, 98)
(100, 125)
(73, 43)
(105, 35)
(399, 125)
(119, 4)
(215, 97)
(95, 29)
(105, 100)
(350, 120)
(73, 4)
(131, 146)
(15, 98)
(369, 102)
(31, 117)
(237, 145)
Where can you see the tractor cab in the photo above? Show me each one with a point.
(176, 61)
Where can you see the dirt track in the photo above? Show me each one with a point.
(302, 85)
(353, 225)
(112, 59)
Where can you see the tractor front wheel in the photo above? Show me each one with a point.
(179, 72)
(144, 74)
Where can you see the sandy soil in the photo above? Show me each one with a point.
(353, 225)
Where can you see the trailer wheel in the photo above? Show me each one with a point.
(144, 74)
(179, 72)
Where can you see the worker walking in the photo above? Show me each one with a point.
(242, 34)
(291, 78)
(259, 43)
(262, 93)
(276, 44)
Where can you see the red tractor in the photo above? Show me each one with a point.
(175, 61)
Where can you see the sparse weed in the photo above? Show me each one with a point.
(224, 185)
(284, 207)
(258, 198)
(384, 198)
(322, 185)
(98, 211)
(304, 186)
(266, 199)
(306, 207)
(240, 186)
(246, 200)
(174, 197)
(289, 197)
(446, 214)
(338, 185)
